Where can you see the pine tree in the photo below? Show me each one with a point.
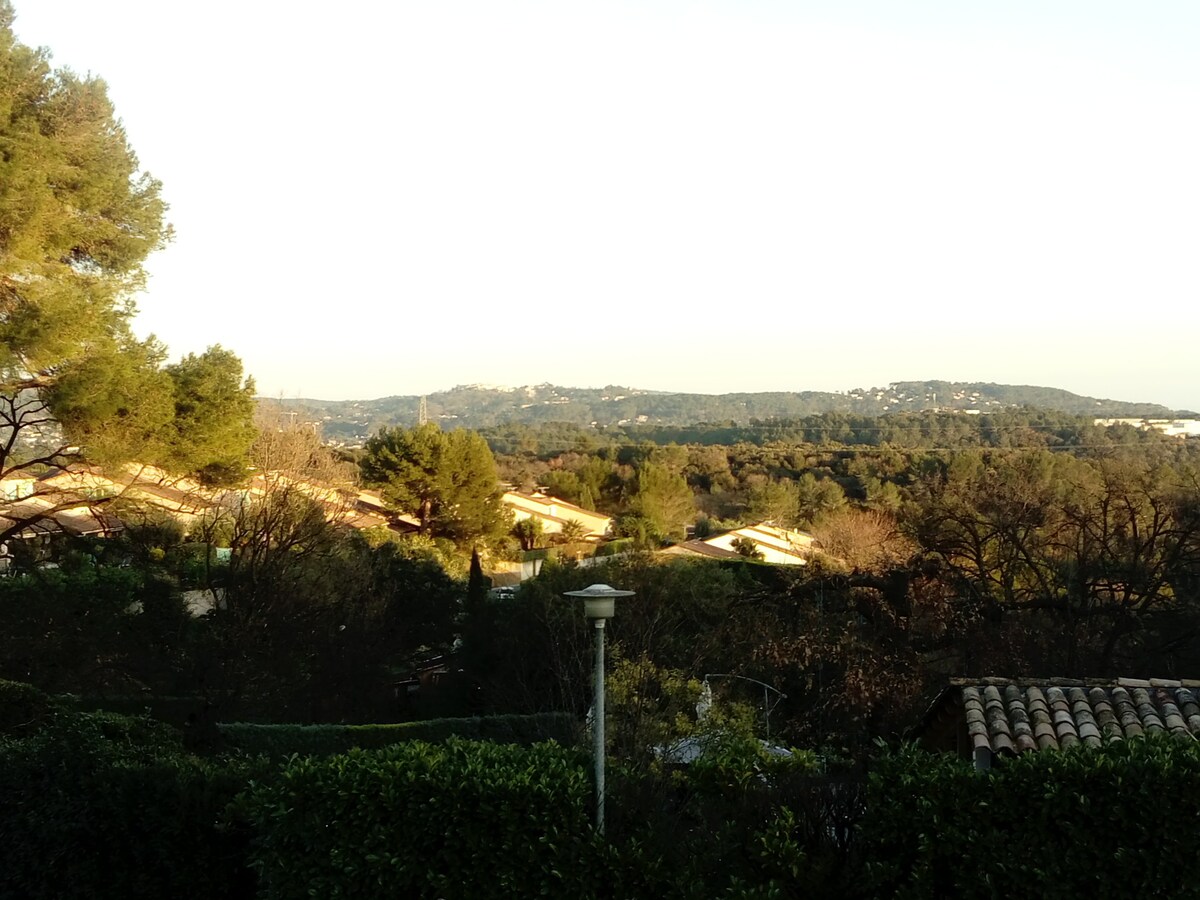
(77, 220)
(447, 480)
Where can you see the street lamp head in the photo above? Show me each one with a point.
(598, 600)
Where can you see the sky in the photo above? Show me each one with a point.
(373, 198)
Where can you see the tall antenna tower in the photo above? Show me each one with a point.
(423, 412)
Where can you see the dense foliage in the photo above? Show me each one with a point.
(108, 806)
(77, 217)
(1110, 823)
(484, 820)
(1022, 562)
(1022, 541)
(96, 805)
(317, 635)
(452, 820)
(139, 817)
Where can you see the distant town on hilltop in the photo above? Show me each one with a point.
(349, 422)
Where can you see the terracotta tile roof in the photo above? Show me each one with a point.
(1009, 716)
(700, 548)
(57, 512)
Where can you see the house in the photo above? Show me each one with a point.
(16, 487)
(779, 546)
(986, 718)
(188, 502)
(51, 514)
(1169, 427)
(554, 513)
(181, 499)
(49, 510)
(44, 517)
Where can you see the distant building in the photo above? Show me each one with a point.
(1169, 427)
(554, 513)
(53, 513)
(779, 546)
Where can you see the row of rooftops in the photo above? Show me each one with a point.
(186, 499)
(70, 500)
(61, 502)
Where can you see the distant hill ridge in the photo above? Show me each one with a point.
(482, 406)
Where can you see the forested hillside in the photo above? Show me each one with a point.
(480, 406)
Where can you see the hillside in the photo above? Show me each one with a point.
(349, 422)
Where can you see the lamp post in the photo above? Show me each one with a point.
(598, 605)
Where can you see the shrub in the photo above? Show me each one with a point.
(24, 709)
(1115, 822)
(97, 805)
(451, 820)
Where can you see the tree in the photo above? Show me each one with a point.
(213, 425)
(864, 539)
(478, 584)
(774, 501)
(572, 531)
(295, 449)
(470, 506)
(664, 499)
(77, 220)
(528, 533)
(311, 615)
(594, 474)
(406, 464)
(563, 483)
(644, 533)
(1094, 548)
(817, 497)
(446, 479)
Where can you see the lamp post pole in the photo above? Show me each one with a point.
(598, 606)
(598, 723)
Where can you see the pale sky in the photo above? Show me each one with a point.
(379, 198)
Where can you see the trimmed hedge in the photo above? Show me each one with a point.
(1117, 822)
(452, 820)
(463, 820)
(278, 741)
